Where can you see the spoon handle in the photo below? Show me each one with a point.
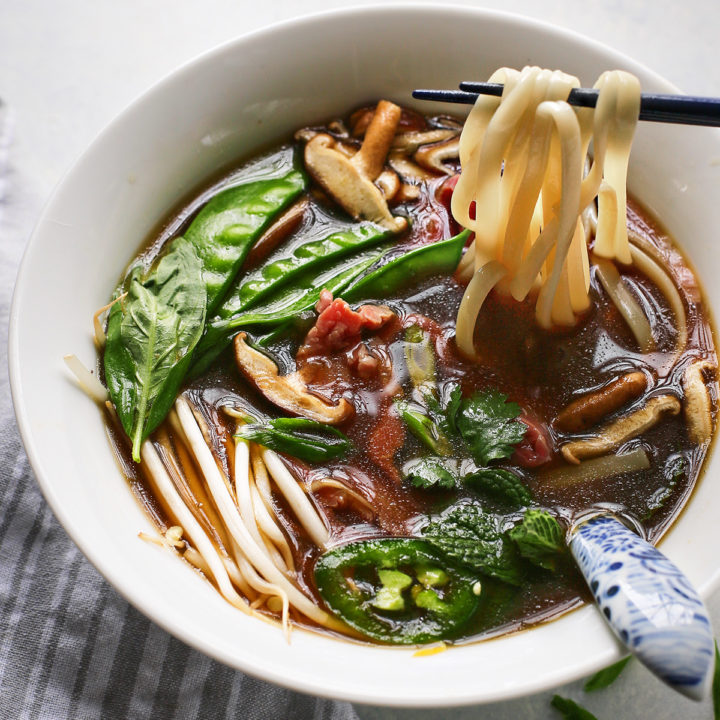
(648, 602)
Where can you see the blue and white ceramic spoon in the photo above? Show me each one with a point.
(648, 602)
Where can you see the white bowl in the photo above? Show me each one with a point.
(224, 106)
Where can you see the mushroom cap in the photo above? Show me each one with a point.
(346, 184)
(289, 392)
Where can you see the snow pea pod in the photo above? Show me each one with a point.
(225, 229)
(297, 297)
(439, 258)
(291, 262)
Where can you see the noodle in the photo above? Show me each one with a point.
(523, 161)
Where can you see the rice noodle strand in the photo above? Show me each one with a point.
(236, 528)
(524, 167)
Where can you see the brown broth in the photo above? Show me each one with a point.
(540, 370)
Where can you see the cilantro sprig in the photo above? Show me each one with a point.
(484, 426)
(430, 473)
(488, 424)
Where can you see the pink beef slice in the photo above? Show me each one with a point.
(339, 326)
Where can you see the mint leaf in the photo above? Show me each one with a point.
(673, 472)
(475, 539)
(570, 710)
(502, 485)
(428, 474)
(539, 538)
(488, 424)
(607, 676)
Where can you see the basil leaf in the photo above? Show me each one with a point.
(150, 337)
(298, 437)
(487, 423)
(501, 485)
(607, 676)
(476, 539)
(539, 538)
(570, 710)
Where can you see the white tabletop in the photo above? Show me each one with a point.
(68, 67)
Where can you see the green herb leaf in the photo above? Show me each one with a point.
(673, 472)
(429, 474)
(487, 423)
(298, 437)
(444, 410)
(539, 538)
(716, 685)
(502, 485)
(150, 339)
(452, 402)
(476, 539)
(570, 710)
(604, 678)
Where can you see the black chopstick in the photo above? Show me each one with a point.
(683, 109)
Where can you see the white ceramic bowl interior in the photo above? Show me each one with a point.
(221, 107)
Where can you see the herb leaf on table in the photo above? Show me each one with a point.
(605, 677)
(716, 685)
(570, 710)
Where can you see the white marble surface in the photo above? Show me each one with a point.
(68, 67)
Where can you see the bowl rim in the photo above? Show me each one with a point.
(103, 564)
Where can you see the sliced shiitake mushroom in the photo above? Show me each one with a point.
(349, 180)
(592, 407)
(289, 392)
(433, 157)
(409, 142)
(697, 404)
(287, 223)
(407, 169)
(611, 436)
